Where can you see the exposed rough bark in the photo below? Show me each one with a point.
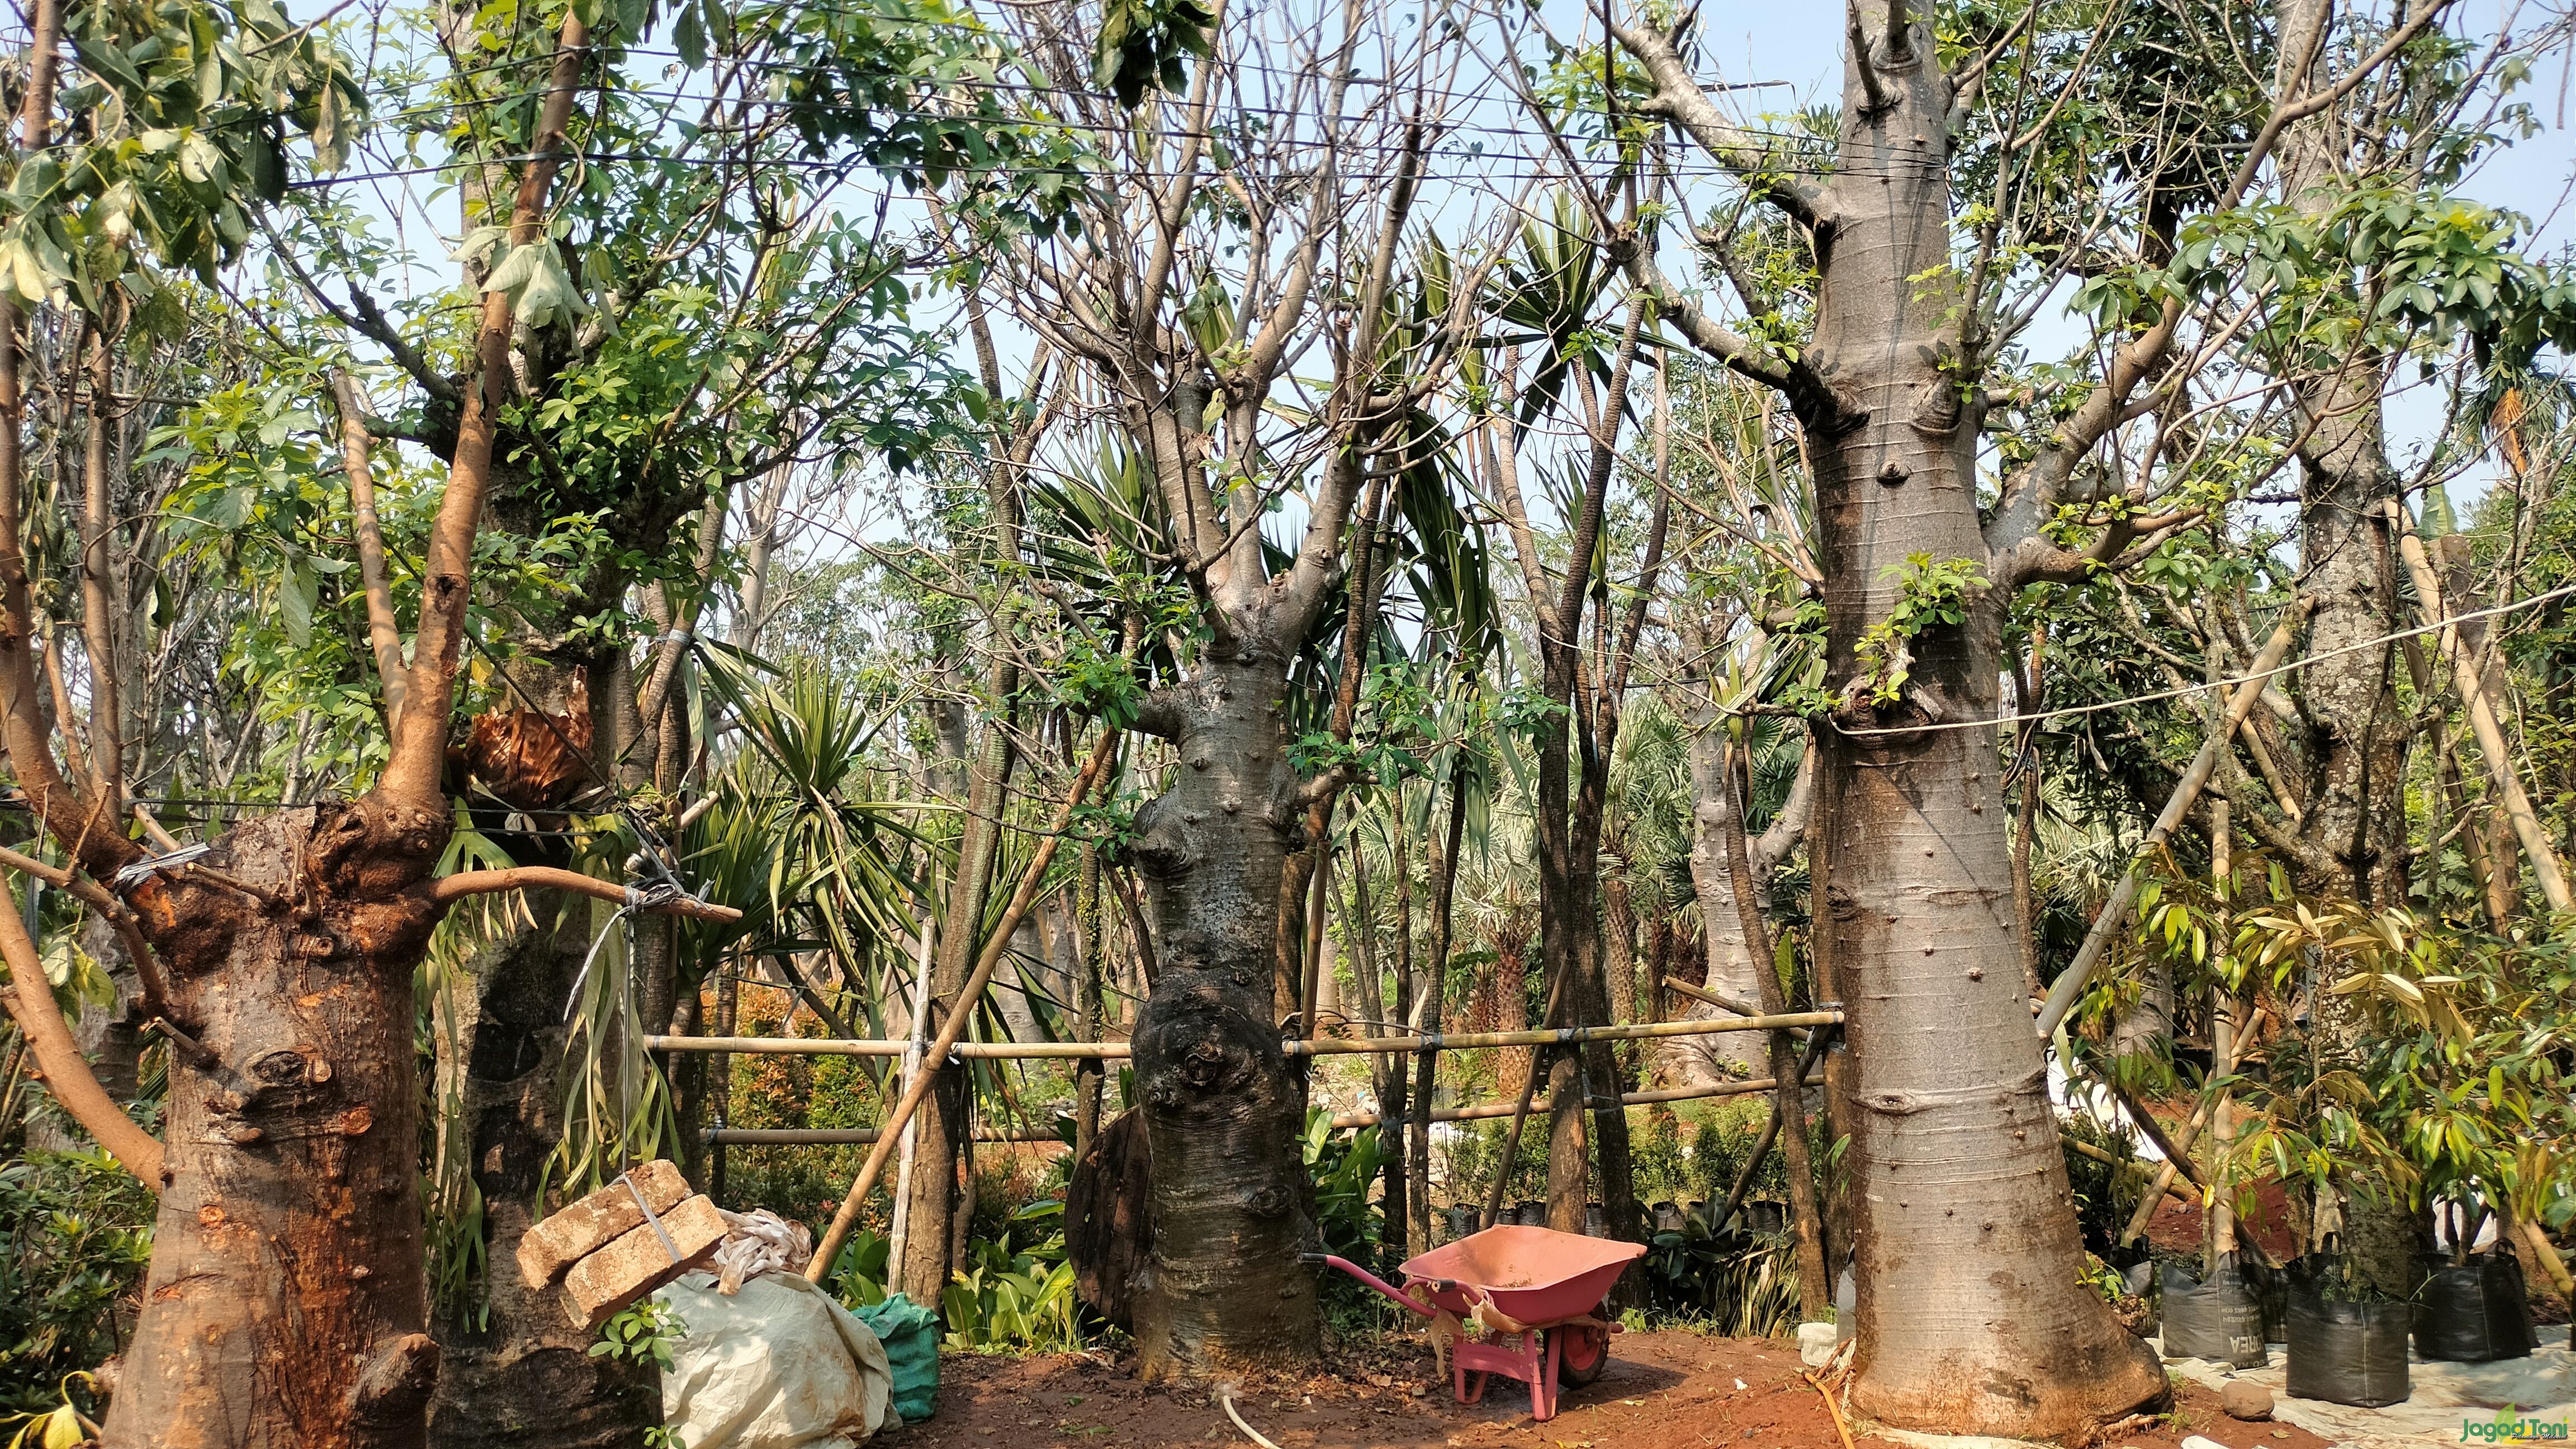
(285, 1303)
(1232, 1204)
(1109, 1217)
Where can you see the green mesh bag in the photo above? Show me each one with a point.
(910, 1334)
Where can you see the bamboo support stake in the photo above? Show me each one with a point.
(2173, 1160)
(2165, 1175)
(2083, 1148)
(2482, 717)
(2222, 1041)
(995, 947)
(2070, 985)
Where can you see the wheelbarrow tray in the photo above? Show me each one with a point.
(1534, 1276)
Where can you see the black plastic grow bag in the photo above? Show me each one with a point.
(2271, 1289)
(2217, 1320)
(2473, 1312)
(2345, 1352)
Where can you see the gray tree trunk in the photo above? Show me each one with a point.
(1696, 1060)
(1232, 1204)
(1972, 1316)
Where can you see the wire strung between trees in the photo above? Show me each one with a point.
(2561, 592)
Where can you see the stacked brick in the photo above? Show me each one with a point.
(605, 1252)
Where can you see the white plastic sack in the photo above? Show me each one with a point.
(778, 1365)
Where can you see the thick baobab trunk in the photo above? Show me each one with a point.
(1972, 1316)
(284, 1306)
(1223, 1286)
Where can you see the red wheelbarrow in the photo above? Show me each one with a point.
(1541, 1293)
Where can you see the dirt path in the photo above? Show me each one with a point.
(1662, 1391)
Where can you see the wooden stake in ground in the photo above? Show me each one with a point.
(2222, 1041)
(2482, 717)
(995, 946)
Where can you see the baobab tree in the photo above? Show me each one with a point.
(1198, 276)
(1972, 1314)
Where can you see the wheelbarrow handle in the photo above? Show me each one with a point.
(1327, 1260)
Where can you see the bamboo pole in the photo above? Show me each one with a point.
(1712, 998)
(2165, 1175)
(2164, 1188)
(2070, 985)
(2482, 717)
(962, 1012)
(1457, 1041)
(1480, 1112)
(2182, 1141)
(2222, 1042)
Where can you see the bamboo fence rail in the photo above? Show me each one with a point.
(1481, 1111)
(1455, 1041)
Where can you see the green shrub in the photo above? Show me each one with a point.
(75, 1237)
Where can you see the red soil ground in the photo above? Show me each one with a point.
(1668, 1390)
(2177, 1225)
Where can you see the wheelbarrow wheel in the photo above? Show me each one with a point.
(1583, 1351)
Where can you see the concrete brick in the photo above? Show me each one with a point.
(637, 1263)
(549, 1249)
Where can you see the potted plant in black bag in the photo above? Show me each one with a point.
(2471, 1307)
(2347, 1336)
(2315, 1121)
